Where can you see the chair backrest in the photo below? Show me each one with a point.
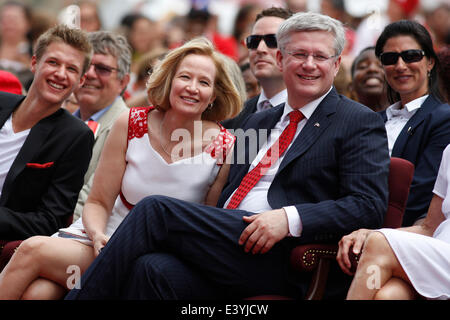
(401, 173)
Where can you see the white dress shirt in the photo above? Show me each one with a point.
(397, 118)
(256, 199)
(277, 99)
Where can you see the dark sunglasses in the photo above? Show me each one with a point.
(408, 56)
(103, 70)
(253, 41)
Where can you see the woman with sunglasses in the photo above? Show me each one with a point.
(411, 261)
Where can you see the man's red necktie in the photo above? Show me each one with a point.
(93, 125)
(271, 156)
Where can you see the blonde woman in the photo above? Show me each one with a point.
(176, 148)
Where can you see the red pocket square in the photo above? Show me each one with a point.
(39, 165)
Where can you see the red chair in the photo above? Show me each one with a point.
(8, 247)
(317, 258)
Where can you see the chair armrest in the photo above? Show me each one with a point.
(316, 258)
(7, 249)
(306, 257)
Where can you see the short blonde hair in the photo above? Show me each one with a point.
(75, 38)
(227, 103)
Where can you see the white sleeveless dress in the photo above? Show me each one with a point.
(147, 173)
(426, 260)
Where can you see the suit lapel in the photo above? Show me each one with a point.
(267, 123)
(412, 124)
(105, 120)
(314, 128)
(262, 123)
(252, 103)
(8, 103)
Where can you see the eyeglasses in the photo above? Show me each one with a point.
(253, 41)
(408, 56)
(303, 56)
(103, 70)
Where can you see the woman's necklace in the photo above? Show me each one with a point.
(162, 136)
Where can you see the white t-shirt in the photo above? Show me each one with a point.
(10, 145)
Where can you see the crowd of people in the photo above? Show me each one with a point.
(171, 161)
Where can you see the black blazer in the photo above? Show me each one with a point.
(41, 188)
(422, 141)
(335, 173)
(249, 108)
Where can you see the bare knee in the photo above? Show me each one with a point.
(32, 248)
(396, 289)
(377, 250)
(376, 241)
(43, 289)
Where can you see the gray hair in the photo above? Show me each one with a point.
(107, 42)
(311, 21)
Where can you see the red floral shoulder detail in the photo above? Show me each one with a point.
(137, 122)
(221, 146)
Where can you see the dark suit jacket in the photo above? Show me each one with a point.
(38, 200)
(249, 108)
(422, 141)
(335, 172)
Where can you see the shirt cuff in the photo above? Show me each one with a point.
(294, 221)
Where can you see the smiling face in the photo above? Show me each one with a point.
(100, 88)
(410, 80)
(57, 73)
(263, 61)
(192, 88)
(368, 77)
(308, 80)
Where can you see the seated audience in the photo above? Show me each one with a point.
(412, 262)
(44, 150)
(191, 90)
(368, 81)
(320, 172)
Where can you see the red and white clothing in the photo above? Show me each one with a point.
(147, 173)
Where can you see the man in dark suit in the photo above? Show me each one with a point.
(262, 46)
(331, 178)
(44, 150)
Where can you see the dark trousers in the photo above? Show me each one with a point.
(172, 249)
